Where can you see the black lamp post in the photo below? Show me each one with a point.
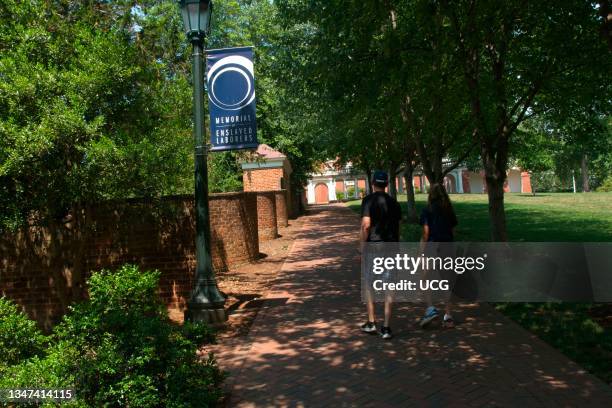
(206, 302)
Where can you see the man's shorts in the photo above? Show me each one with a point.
(369, 278)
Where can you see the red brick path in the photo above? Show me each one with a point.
(305, 348)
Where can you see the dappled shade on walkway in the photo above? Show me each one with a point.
(305, 347)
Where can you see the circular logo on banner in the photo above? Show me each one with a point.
(231, 82)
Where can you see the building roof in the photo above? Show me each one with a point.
(269, 153)
(265, 157)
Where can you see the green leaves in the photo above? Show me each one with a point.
(95, 101)
(118, 348)
(20, 338)
(85, 114)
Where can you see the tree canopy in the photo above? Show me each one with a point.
(95, 97)
(95, 101)
(451, 83)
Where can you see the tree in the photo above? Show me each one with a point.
(346, 104)
(96, 102)
(551, 144)
(517, 57)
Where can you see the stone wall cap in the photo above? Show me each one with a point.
(228, 194)
(267, 191)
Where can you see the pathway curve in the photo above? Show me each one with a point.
(305, 348)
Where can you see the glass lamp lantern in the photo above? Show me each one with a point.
(196, 18)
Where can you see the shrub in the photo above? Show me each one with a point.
(20, 338)
(120, 349)
(55, 370)
(606, 185)
(550, 182)
(340, 195)
(350, 192)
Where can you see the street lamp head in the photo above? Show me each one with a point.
(196, 18)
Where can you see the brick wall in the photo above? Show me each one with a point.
(417, 184)
(292, 211)
(282, 211)
(269, 179)
(233, 224)
(339, 186)
(262, 179)
(525, 182)
(465, 179)
(43, 268)
(266, 215)
(298, 202)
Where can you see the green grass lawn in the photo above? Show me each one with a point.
(582, 331)
(553, 217)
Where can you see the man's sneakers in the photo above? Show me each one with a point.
(385, 333)
(368, 327)
(430, 314)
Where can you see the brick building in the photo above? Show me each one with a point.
(324, 185)
(270, 170)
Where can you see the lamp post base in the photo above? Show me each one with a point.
(201, 314)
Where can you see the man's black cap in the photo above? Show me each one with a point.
(380, 178)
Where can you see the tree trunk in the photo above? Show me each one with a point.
(435, 178)
(494, 154)
(392, 186)
(369, 180)
(497, 212)
(411, 215)
(585, 174)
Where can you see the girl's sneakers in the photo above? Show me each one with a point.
(448, 322)
(430, 314)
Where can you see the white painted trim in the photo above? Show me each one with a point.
(310, 193)
(267, 164)
(459, 181)
(331, 190)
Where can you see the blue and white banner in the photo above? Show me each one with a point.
(231, 95)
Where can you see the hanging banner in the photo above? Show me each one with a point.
(230, 81)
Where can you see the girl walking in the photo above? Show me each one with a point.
(439, 221)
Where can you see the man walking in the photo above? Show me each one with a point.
(380, 217)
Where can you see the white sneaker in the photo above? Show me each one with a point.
(385, 333)
(368, 327)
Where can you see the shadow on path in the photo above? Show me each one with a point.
(305, 347)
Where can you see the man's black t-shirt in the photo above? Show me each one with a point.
(385, 214)
(440, 225)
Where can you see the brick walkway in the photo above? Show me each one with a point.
(305, 349)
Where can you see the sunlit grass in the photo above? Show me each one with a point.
(548, 217)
